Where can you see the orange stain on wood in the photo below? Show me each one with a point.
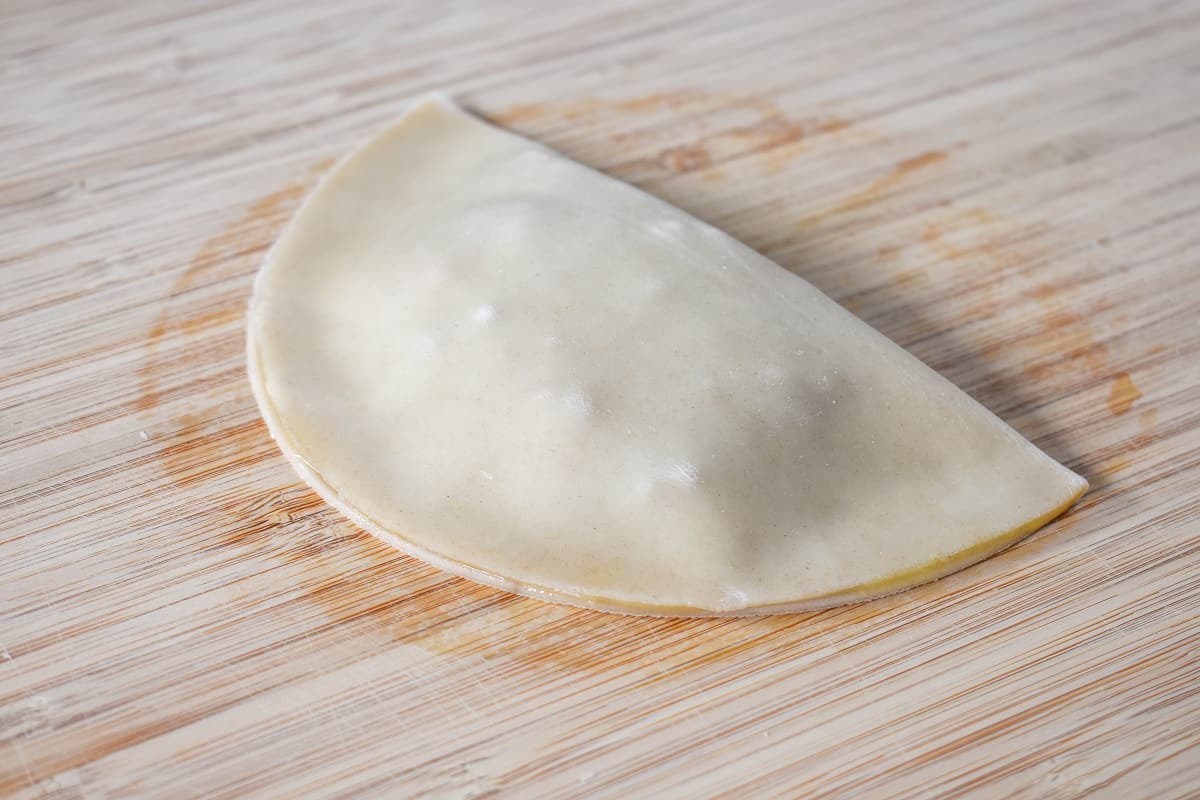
(1043, 292)
(350, 579)
(537, 635)
(586, 107)
(917, 162)
(931, 236)
(200, 455)
(1061, 320)
(833, 125)
(980, 216)
(773, 138)
(189, 335)
(877, 189)
(989, 256)
(1064, 337)
(1122, 393)
(687, 158)
(287, 511)
(776, 139)
(217, 317)
(1115, 465)
(518, 114)
(773, 131)
(912, 277)
(1061, 341)
(655, 102)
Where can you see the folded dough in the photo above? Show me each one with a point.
(546, 380)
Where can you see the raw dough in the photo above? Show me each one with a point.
(546, 380)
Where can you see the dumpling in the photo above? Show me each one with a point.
(541, 378)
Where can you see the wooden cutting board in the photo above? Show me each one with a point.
(1009, 190)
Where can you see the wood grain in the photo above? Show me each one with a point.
(1009, 190)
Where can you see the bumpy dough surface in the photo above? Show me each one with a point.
(547, 380)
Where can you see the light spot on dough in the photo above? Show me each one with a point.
(733, 598)
(506, 227)
(426, 278)
(577, 403)
(425, 346)
(772, 374)
(484, 314)
(666, 228)
(683, 474)
(679, 474)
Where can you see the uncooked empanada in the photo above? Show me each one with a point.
(546, 380)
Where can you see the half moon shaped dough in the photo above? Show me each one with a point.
(543, 379)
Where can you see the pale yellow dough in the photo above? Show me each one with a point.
(544, 379)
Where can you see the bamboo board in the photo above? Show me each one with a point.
(1009, 190)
